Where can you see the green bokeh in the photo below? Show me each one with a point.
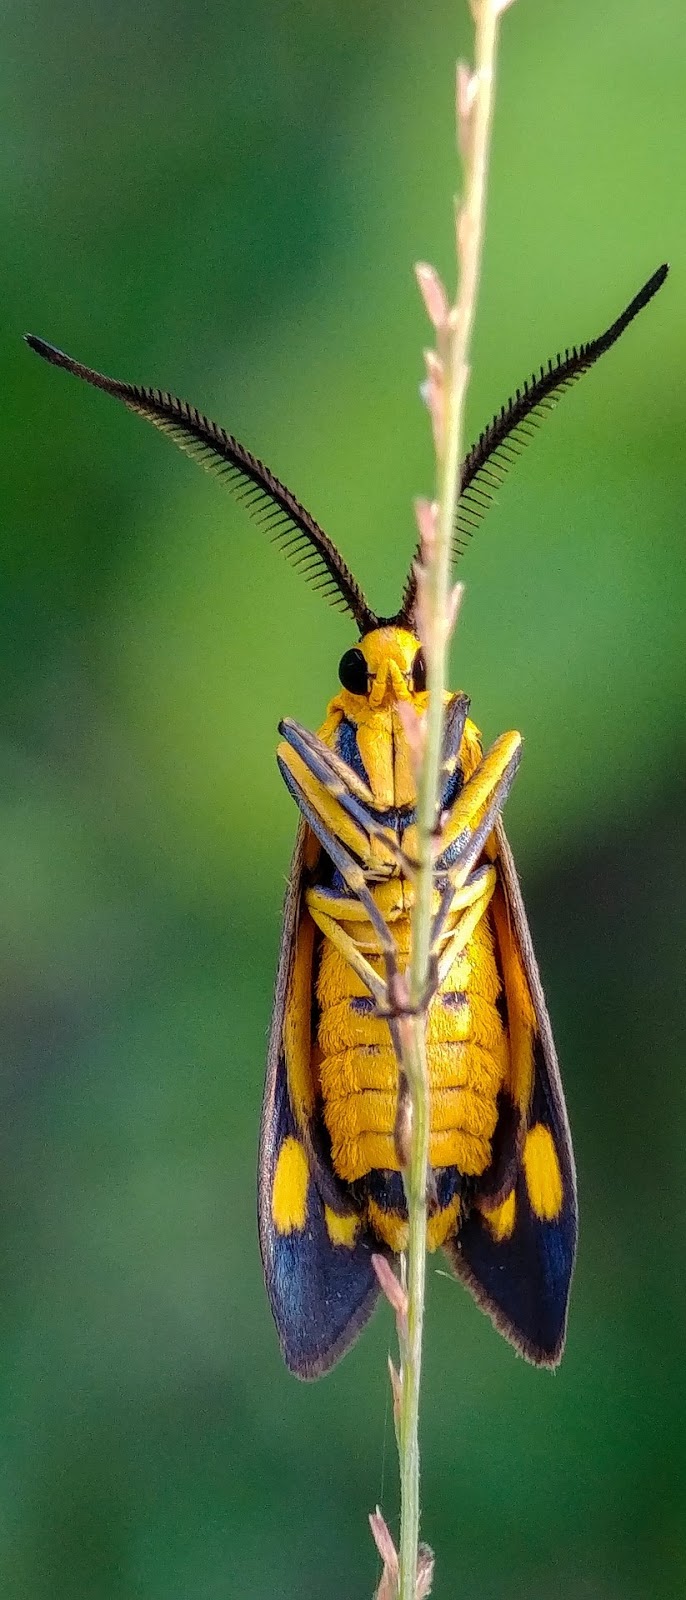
(228, 201)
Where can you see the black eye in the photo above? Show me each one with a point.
(352, 671)
(418, 673)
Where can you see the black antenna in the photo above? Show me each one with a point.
(484, 468)
(273, 506)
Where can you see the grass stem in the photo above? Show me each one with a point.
(449, 375)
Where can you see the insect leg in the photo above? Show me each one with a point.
(305, 742)
(462, 932)
(463, 831)
(302, 740)
(476, 810)
(453, 729)
(348, 949)
(350, 818)
(461, 898)
(354, 877)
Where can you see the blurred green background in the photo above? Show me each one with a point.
(228, 201)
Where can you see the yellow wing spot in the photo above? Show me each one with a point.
(542, 1173)
(442, 1223)
(341, 1230)
(389, 1226)
(501, 1219)
(289, 1193)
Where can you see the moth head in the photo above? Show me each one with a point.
(386, 666)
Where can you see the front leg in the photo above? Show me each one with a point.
(341, 800)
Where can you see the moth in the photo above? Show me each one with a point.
(502, 1182)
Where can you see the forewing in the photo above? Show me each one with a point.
(515, 1250)
(315, 1253)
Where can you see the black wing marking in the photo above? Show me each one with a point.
(321, 1292)
(522, 1278)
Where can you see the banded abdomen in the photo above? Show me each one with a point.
(358, 1072)
(355, 1063)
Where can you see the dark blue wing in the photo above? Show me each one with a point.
(517, 1257)
(517, 1263)
(317, 1264)
(316, 1253)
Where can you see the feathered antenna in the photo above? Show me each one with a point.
(486, 464)
(288, 524)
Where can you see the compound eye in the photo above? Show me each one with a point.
(418, 673)
(352, 671)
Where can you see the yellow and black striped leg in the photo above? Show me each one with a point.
(303, 741)
(453, 730)
(354, 877)
(346, 786)
(460, 897)
(472, 818)
(470, 901)
(324, 911)
(465, 827)
(343, 800)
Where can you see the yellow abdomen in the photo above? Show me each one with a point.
(354, 1062)
(467, 1058)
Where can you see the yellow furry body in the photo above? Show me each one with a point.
(353, 1060)
(358, 1072)
(500, 1188)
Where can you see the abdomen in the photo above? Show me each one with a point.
(358, 1071)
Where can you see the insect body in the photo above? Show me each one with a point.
(331, 1189)
(350, 1065)
(502, 1185)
